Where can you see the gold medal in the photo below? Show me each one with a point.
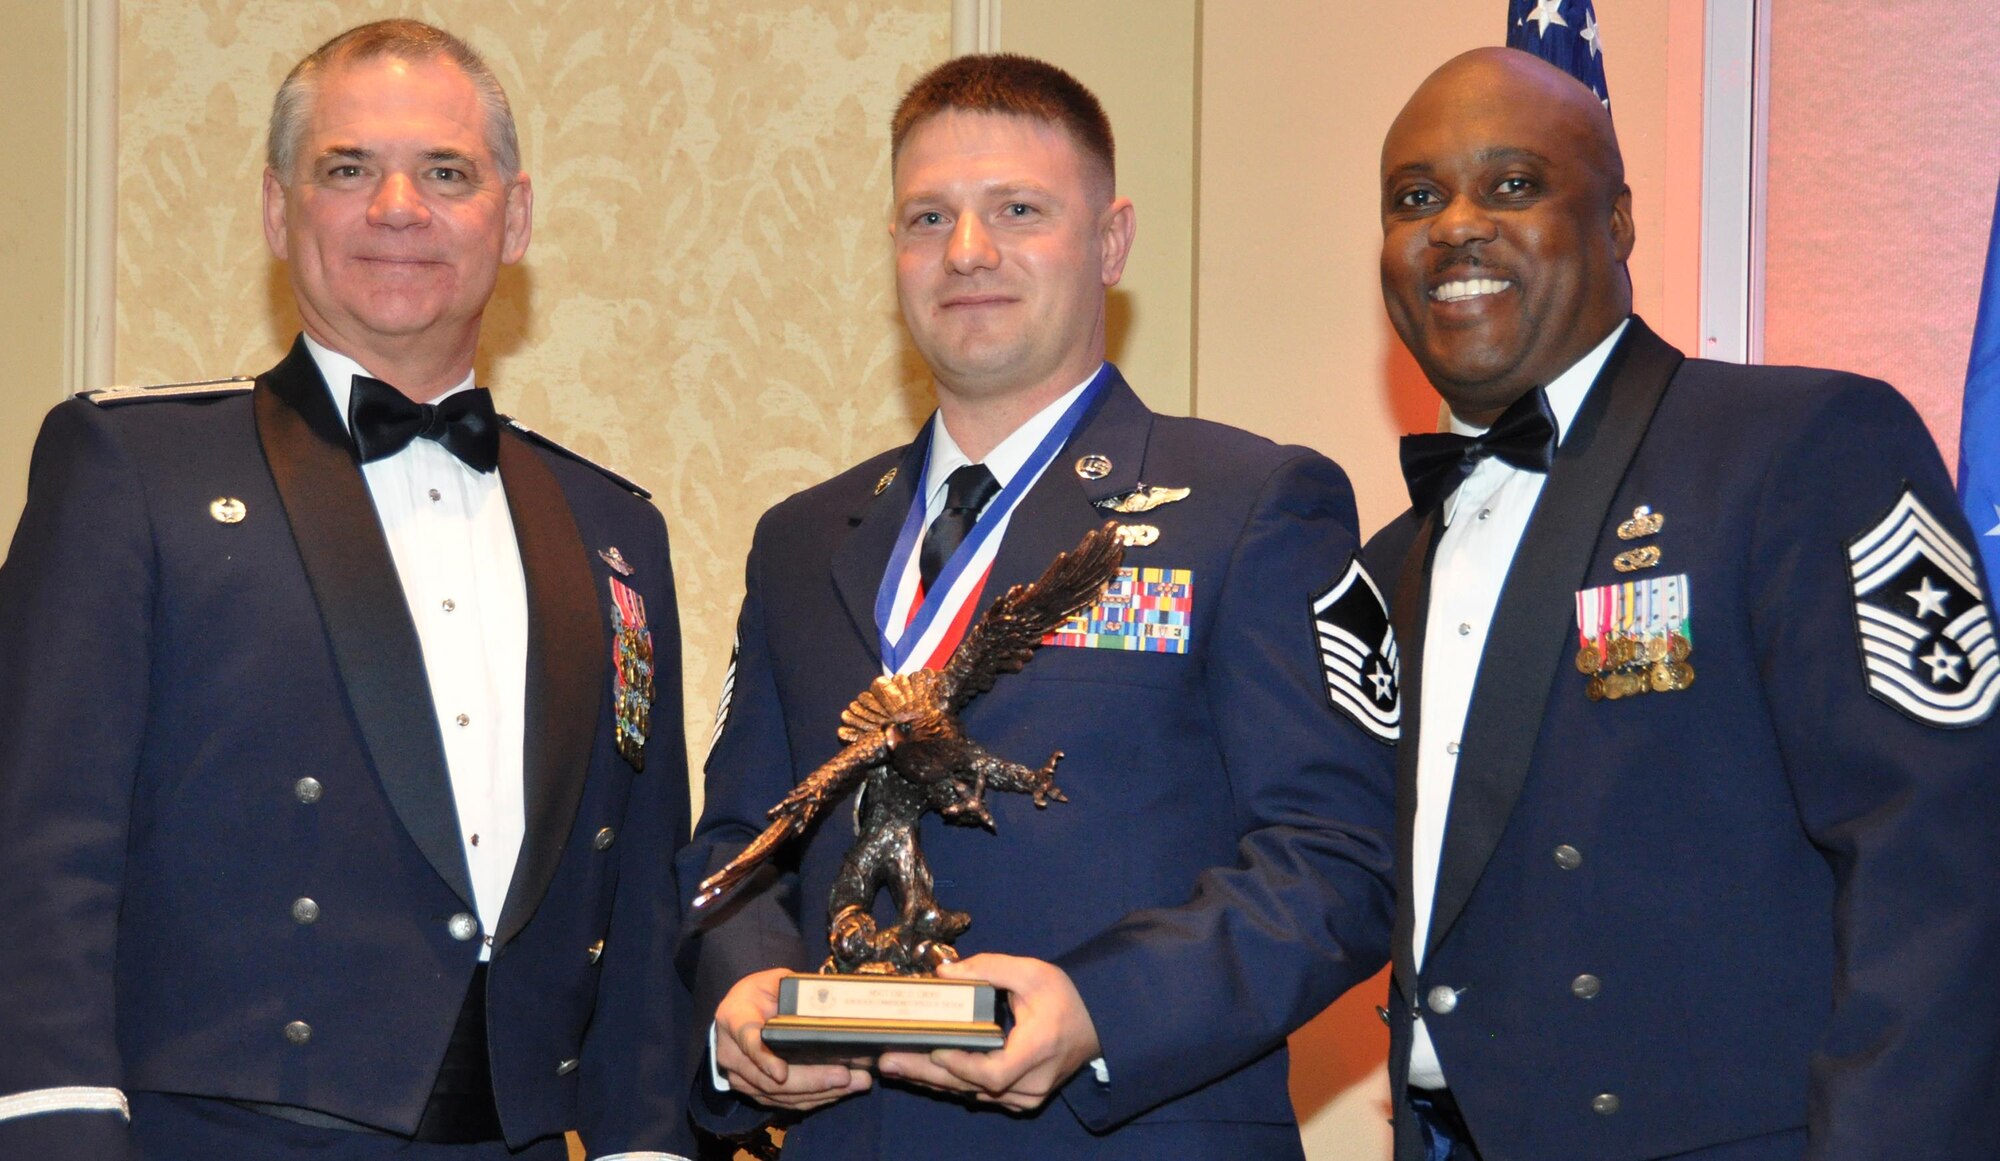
(1656, 649)
(1614, 686)
(1678, 648)
(1594, 689)
(1683, 675)
(1624, 652)
(1589, 660)
(1661, 677)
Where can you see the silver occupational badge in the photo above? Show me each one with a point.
(1926, 638)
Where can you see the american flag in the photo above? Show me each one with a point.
(1564, 33)
(1979, 434)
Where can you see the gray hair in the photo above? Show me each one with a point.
(410, 40)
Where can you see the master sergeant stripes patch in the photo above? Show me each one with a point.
(1357, 651)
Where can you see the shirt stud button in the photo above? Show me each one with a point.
(1451, 748)
(1464, 629)
(437, 495)
(463, 719)
(449, 604)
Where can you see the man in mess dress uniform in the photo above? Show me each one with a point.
(340, 760)
(1696, 817)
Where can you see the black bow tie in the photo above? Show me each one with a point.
(383, 421)
(1435, 464)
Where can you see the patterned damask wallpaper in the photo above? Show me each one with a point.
(708, 303)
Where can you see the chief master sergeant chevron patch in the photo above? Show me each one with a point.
(1926, 637)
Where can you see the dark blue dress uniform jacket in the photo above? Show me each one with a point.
(1220, 872)
(1787, 886)
(166, 679)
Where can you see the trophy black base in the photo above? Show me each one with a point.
(836, 1017)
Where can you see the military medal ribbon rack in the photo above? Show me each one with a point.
(1635, 637)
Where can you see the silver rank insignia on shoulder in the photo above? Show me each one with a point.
(1144, 498)
(882, 485)
(1357, 652)
(227, 510)
(616, 560)
(194, 389)
(1137, 535)
(1926, 638)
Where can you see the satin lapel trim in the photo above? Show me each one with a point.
(569, 651)
(1533, 624)
(1056, 513)
(361, 603)
(1409, 605)
(863, 554)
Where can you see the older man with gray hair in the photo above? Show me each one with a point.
(340, 749)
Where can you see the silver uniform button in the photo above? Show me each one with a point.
(1442, 1000)
(566, 1067)
(1586, 986)
(1604, 1103)
(604, 839)
(462, 926)
(1568, 857)
(595, 951)
(308, 790)
(298, 1032)
(305, 911)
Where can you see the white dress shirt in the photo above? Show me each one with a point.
(1483, 523)
(452, 537)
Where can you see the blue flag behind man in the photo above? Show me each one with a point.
(1564, 33)
(1979, 428)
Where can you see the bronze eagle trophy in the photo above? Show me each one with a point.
(905, 744)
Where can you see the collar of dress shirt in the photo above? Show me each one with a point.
(1006, 458)
(1566, 395)
(339, 371)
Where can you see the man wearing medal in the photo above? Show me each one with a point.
(1696, 843)
(334, 812)
(1218, 873)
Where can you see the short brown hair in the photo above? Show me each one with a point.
(410, 40)
(1010, 84)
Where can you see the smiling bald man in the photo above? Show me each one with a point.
(1695, 847)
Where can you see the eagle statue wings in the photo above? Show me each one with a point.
(905, 745)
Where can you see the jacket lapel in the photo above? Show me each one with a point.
(1061, 507)
(1532, 624)
(1409, 603)
(568, 651)
(875, 523)
(361, 602)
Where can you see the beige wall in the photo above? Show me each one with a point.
(1140, 58)
(708, 303)
(34, 60)
(1877, 230)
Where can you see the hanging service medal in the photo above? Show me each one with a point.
(1635, 637)
(632, 660)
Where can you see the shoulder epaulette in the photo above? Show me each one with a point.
(560, 450)
(199, 389)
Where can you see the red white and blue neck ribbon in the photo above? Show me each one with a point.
(911, 642)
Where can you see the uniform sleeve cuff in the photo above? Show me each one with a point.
(74, 1099)
(715, 1070)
